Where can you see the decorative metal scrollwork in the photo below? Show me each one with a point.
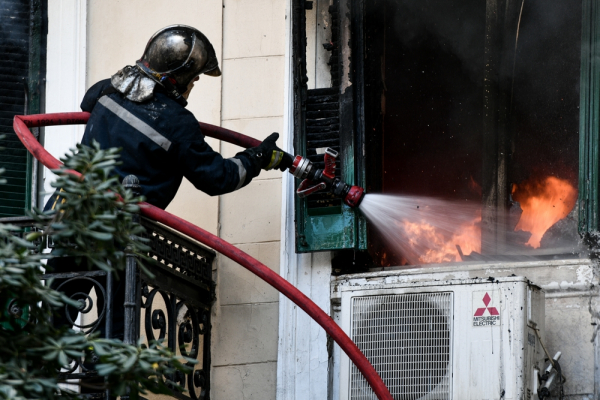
(188, 338)
(159, 322)
(86, 304)
(155, 319)
(193, 343)
(184, 327)
(187, 291)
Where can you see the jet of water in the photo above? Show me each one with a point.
(425, 229)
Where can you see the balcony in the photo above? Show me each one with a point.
(170, 304)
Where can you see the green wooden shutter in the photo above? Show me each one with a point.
(20, 70)
(325, 117)
(589, 125)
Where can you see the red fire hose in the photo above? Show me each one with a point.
(21, 125)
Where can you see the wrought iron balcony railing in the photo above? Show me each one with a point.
(174, 303)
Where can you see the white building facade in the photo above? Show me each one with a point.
(263, 346)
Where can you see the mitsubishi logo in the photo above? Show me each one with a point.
(492, 310)
(489, 314)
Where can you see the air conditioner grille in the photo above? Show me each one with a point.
(407, 339)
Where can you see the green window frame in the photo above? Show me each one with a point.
(589, 125)
(21, 81)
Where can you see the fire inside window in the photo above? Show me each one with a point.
(480, 106)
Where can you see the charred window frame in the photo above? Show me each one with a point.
(325, 117)
(365, 151)
(501, 139)
(500, 126)
(23, 29)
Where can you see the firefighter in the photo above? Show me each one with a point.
(141, 109)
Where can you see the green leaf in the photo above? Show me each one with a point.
(50, 356)
(100, 349)
(74, 353)
(33, 236)
(72, 339)
(63, 360)
(106, 369)
(106, 217)
(130, 361)
(100, 235)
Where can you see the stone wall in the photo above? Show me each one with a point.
(246, 313)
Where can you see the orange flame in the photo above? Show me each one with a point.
(543, 203)
(433, 246)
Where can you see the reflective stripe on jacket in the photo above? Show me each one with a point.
(161, 143)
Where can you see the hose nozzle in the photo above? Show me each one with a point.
(315, 180)
(354, 196)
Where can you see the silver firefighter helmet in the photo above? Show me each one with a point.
(177, 54)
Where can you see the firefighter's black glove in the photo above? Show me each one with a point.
(269, 156)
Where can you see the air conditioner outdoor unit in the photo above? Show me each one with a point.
(466, 339)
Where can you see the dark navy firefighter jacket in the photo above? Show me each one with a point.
(162, 143)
